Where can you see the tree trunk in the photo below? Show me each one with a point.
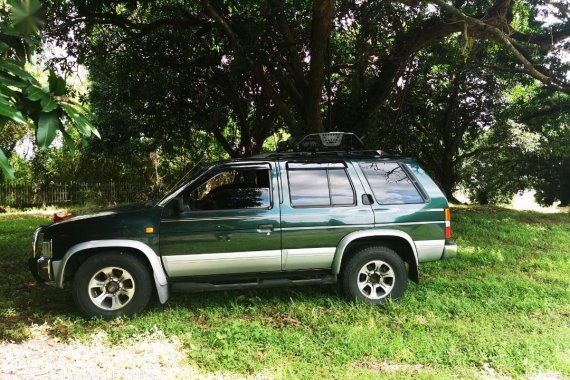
(323, 12)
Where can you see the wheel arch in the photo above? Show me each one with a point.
(397, 240)
(86, 249)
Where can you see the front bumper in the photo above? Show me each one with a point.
(449, 251)
(41, 269)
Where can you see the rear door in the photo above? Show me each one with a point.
(321, 203)
(227, 223)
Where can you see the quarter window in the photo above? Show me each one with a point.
(320, 187)
(390, 183)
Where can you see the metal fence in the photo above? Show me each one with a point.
(26, 195)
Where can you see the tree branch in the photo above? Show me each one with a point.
(495, 32)
(258, 70)
(290, 44)
(428, 33)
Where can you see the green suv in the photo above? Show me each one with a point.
(314, 213)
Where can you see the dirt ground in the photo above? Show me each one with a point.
(146, 357)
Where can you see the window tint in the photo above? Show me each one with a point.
(341, 189)
(312, 188)
(309, 188)
(231, 189)
(390, 183)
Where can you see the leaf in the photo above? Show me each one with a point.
(69, 143)
(35, 93)
(48, 124)
(76, 114)
(13, 81)
(7, 92)
(48, 104)
(6, 165)
(15, 69)
(3, 121)
(4, 47)
(57, 84)
(7, 109)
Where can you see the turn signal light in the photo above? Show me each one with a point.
(149, 230)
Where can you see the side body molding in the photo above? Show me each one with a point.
(158, 272)
(366, 234)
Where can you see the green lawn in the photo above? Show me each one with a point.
(502, 305)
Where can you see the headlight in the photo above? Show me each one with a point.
(46, 249)
(41, 247)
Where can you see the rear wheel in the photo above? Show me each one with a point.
(112, 284)
(374, 274)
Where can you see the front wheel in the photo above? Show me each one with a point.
(374, 274)
(111, 284)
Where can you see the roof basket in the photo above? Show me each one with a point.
(322, 142)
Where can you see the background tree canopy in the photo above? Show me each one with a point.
(476, 90)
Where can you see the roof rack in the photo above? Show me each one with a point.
(322, 142)
(324, 145)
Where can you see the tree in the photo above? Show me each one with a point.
(23, 100)
(169, 69)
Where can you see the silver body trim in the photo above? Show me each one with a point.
(35, 240)
(308, 258)
(222, 218)
(220, 263)
(369, 233)
(158, 273)
(429, 250)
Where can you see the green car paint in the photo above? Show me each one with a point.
(278, 239)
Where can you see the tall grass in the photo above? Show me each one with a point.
(501, 307)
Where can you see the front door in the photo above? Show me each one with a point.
(227, 223)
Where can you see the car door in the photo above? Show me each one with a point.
(322, 203)
(227, 223)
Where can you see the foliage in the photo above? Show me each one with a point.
(23, 99)
(535, 151)
(498, 306)
(417, 79)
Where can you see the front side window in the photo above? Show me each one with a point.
(320, 188)
(390, 183)
(234, 188)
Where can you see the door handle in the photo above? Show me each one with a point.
(265, 229)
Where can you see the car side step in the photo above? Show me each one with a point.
(192, 287)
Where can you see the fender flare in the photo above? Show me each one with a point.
(159, 275)
(340, 249)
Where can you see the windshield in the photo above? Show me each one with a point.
(199, 169)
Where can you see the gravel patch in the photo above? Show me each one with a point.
(151, 356)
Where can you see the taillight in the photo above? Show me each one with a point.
(447, 223)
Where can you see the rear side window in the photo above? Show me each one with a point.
(320, 188)
(390, 183)
(309, 188)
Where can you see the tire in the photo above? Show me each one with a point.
(112, 284)
(374, 274)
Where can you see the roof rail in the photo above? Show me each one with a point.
(317, 154)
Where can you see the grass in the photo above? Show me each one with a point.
(501, 307)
